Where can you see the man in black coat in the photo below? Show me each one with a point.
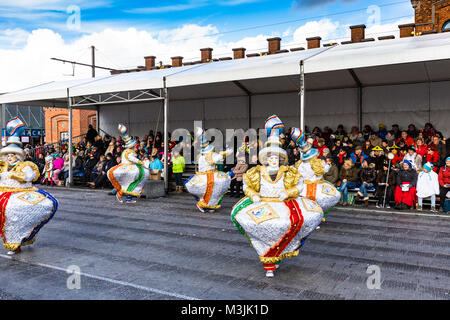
(91, 134)
(102, 178)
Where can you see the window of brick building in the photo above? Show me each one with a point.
(446, 26)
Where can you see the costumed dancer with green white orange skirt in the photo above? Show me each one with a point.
(272, 215)
(128, 177)
(208, 185)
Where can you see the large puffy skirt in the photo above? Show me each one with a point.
(407, 197)
(324, 193)
(276, 229)
(208, 188)
(23, 214)
(128, 178)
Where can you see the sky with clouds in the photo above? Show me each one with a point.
(124, 31)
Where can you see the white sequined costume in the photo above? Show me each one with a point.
(129, 176)
(273, 216)
(315, 187)
(24, 209)
(208, 185)
(275, 228)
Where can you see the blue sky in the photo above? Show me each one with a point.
(33, 31)
(162, 14)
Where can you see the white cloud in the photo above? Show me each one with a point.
(324, 28)
(125, 48)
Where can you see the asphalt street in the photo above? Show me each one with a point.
(166, 249)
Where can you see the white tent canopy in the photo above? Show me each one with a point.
(405, 60)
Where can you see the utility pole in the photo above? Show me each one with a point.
(92, 65)
(93, 61)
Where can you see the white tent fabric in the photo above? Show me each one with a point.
(404, 80)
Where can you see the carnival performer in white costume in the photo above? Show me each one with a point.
(312, 170)
(273, 216)
(128, 177)
(208, 185)
(24, 209)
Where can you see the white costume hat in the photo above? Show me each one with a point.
(274, 127)
(14, 129)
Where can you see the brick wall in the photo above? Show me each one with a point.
(57, 121)
(424, 16)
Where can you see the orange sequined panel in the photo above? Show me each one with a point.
(311, 190)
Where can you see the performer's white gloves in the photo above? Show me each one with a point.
(283, 196)
(256, 199)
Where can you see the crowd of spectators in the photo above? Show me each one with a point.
(358, 160)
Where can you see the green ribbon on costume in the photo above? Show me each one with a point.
(141, 176)
(239, 206)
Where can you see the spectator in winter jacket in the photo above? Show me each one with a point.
(375, 140)
(444, 183)
(367, 176)
(405, 192)
(178, 166)
(421, 148)
(433, 156)
(358, 157)
(414, 158)
(367, 147)
(91, 134)
(236, 182)
(406, 139)
(377, 157)
(382, 132)
(101, 180)
(332, 175)
(89, 166)
(412, 131)
(427, 186)
(348, 176)
(58, 165)
(383, 182)
(441, 148)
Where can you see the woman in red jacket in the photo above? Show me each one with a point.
(444, 183)
(433, 157)
(421, 148)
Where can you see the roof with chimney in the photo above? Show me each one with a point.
(367, 63)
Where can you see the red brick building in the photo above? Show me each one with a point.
(431, 16)
(57, 123)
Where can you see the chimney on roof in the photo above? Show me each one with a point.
(274, 45)
(239, 53)
(386, 37)
(177, 61)
(206, 54)
(313, 42)
(358, 32)
(149, 62)
(406, 30)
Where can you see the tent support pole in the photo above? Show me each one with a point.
(360, 97)
(302, 95)
(166, 137)
(69, 106)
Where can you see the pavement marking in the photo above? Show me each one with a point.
(123, 283)
(392, 212)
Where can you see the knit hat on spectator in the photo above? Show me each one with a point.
(408, 163)
(428, 166)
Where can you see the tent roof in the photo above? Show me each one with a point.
(405, 60)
